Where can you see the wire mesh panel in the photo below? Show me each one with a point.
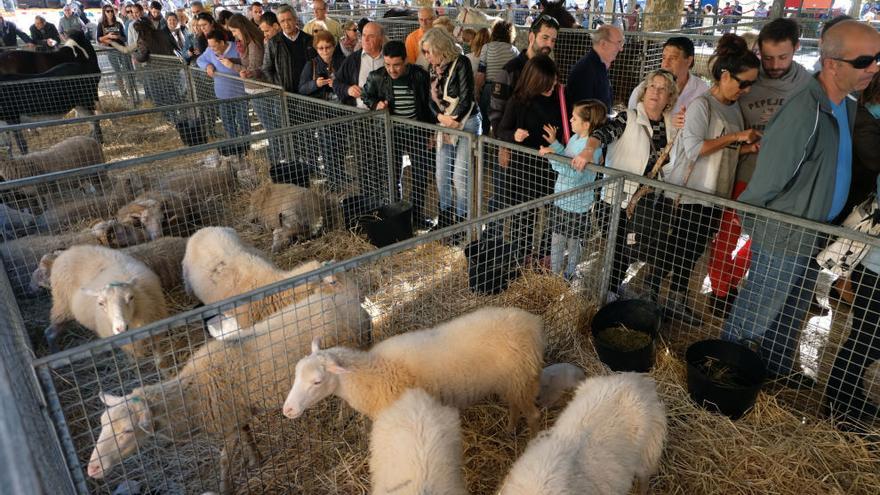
(228, 394)
(433, 171)
(398, 30)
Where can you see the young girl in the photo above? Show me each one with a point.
(570, 215)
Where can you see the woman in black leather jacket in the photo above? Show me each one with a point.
(452, 97)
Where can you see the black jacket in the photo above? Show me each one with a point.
(8, 33)
(589, 79)
(315, 68)
(285, 59)
(348, 77)
(502, 87)
(461, 86)
(49, 32)
(378, 88)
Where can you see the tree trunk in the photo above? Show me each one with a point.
(662, 15)
(856, 9)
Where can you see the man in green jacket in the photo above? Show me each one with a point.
(804, 169)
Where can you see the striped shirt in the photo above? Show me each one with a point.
(404, 99)
(493, 57)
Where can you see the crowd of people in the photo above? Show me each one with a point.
(763, 130)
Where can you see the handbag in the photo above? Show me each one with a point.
(842, 255)
(443, 137)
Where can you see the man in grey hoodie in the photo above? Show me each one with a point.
(778, 78)
(804, 169)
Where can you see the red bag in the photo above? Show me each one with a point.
(563, 110)
(727, 265)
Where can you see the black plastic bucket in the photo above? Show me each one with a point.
(389, 224)
(491, 265)
(290, 172)
(356, 207)
(734, 397)
(634, 314)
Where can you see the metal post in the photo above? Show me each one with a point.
(192, 84)
(389, 157)
(611, 239)
(285, 117)
(57, 415)
(478, 179)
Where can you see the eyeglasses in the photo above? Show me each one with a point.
(743, 84)
(862, 62)
(664, 72)
(544, 20)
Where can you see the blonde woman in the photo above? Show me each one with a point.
(452, 98)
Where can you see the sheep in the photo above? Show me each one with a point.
(292, 212)
(158, 211)
(614, 429)
(226, 382)
(218, 265)
(106, 291)
(556, 379)
(162, 256)
(415, 448)
(22, 257)
(488, 351)
(60, 216)
(14, 222)
(73, 152)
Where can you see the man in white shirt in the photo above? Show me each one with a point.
(354, 70)
(678, 58)
(320, 8)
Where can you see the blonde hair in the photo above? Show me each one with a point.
(479, 41)
(671, 87)
(444, 22)
(439, 41)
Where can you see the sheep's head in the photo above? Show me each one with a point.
(116, 301)
(146, 213)
(281, 238)
(125, 424)
(42, 275)
(317, 377)
(112, 233)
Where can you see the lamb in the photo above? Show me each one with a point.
(489, 351)
(556, 379)
(613, 429)
(293, 212)
(106, 291)
(159, 211)
(218, 265)
(415, 448)
(73, 152)
(162, 256)
(226, 382)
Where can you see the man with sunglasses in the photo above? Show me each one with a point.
(804, 169)
(589, 77)
(678, 58)
(542, 40)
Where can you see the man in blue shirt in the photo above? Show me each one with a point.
(588, 79)
(804, 169)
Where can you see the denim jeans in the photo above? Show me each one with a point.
(771, 306)
(235, 119)
(453, 167)
(268, 110)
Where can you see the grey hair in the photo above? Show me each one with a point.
(602, 33)
(286, 8)
(670, 83)
(439, 41)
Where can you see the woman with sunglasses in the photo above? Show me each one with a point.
(705, 158)
(349, 42)
(111, 30)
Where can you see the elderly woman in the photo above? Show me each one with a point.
(705, 159)
(452, 98)
(636, 138)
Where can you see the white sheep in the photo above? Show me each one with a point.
(163, 256)
(614, 429)
(415, 448)
(292, 212)
(73, 152)
(106, 291)
(557, 379)
(225, 383)
(219, 265)
(488, 351)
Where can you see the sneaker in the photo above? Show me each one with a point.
(677, 309)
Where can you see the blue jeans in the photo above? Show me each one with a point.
(453, 164)
(235, 120)
(268, 110)
(771, 306)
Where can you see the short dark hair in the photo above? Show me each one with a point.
(394, 49)
(780, 29)
(217, 35)
(204, 16)
(682, 43)
(502, 31)
(138, 6)
(155, 5)
(829, 24)
(196, 3)
(269, 18)
(170, 15)
(256, 4)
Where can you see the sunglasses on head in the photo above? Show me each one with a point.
(742, 84)
(544, 20)
(862, 62)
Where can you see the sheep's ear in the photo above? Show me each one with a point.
(110, 400)
(335, 368)
(316, 345)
